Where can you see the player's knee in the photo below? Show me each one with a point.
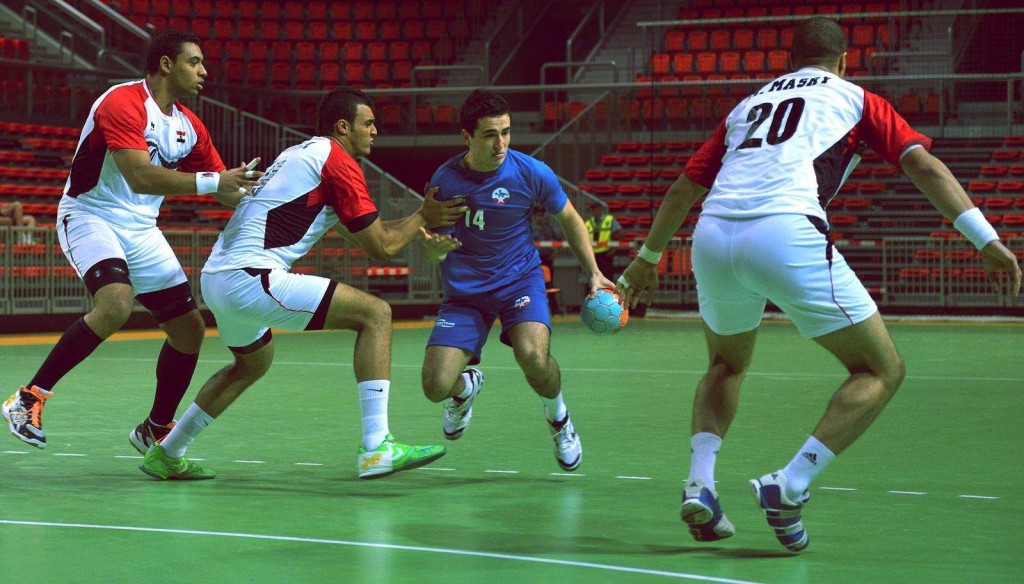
(436, 387)
(113, 310)
(188, 335)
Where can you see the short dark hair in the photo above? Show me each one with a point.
(340, 103)
(167, 43)
(818, 41)
(481, 104)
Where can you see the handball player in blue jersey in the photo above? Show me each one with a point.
(496, 272)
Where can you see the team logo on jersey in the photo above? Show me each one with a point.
(442, 323)
(522, 302)
(500, 195)
(156, 158)
(181, 137)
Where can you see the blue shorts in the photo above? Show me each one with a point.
(463, 322)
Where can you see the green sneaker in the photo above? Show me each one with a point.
(391, 457)
(158, 465)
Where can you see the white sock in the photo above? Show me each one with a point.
(554, 408)
(373, 403)
(805, 467)
(191, 423)
(468, 388)
(704, 448)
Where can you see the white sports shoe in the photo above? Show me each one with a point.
(568, 450)
(457, 414)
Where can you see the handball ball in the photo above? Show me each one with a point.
(602, 314)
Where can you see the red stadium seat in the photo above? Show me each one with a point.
(743, 39)
(341, 31)
(767, 39)
(682, 63)
(707, 63)
(729, 62)
(697, 40)
(720, 40)
(674, 40)
(778, 61)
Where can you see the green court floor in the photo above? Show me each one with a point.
(932, 493)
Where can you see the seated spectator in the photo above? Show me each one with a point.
(546, 231)
(12, 214)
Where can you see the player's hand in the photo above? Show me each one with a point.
(236, 183)
(441, 213)
(638, 283)
(996, 258)
(599, 282)
(437, 245)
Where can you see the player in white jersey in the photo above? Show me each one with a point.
(138, 146)
(310, 188)
(772, 166)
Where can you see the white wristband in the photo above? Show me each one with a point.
(975, 227)
(207, 182)
(652, 257)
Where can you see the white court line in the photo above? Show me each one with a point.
(410, 548)
(67, 454)
(248, 461)
(309, 464)
(567, 474)
(630, 478)
(834, 375)
(836, 489)
(906, 492)
(15, 452)
(438, 468)
(503, 471)
(137, 457)
(977, 497)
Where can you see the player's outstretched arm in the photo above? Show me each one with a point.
(640, 280)
(383, 240)
(935, 180)
(144, 178)
(576, 236)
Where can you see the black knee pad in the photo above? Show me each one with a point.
(111, 271)
(169, 303)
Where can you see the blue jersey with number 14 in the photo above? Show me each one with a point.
(497, 239)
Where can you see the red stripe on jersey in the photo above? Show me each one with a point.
(885, 130)
(203, 157)
(703, 166)
(343, 186)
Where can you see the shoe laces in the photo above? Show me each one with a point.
(455, 410)
(565, 437)
(23, 413)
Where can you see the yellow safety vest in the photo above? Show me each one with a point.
(604, 235)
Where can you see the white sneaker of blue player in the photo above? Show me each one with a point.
(784, 516)
(703, 513)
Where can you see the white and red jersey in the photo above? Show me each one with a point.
(308, 189)
(789, 147)
(127, 116)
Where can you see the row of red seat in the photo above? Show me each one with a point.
(293, 10)
(322, 52)
(764, 38)
(751, 62)
(307, 76)
(713, 9)
(11, 48)
(248, 30)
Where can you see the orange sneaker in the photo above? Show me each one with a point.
(24, 414)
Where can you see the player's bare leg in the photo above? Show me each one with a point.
(370, 317)
(876, 372)
(531, 343)
(447, 378)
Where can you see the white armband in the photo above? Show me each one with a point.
(652, 257)
(207, 182)
(975, 227)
